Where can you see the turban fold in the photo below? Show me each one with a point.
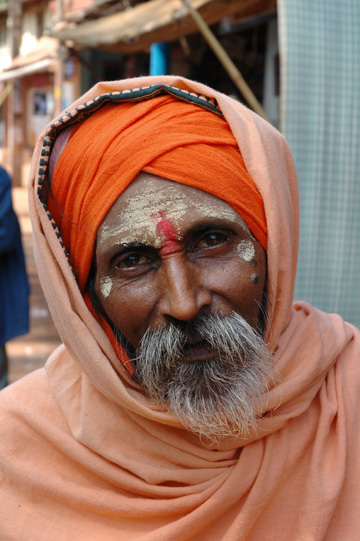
(164, 136)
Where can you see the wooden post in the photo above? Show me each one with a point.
(226, 61)
(59, 66)
(5, 92)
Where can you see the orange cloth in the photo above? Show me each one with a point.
(85, 456)
(163, 136)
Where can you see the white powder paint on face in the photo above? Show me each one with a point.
(138, 221)
(105, 286)
(143, 210)
(246, 250)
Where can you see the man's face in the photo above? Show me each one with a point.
(169, 252)
(182, 279)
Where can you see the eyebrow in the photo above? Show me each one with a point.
(211, 223)
(214, 222)
(134, 245)
(208, 225)
(194, 229)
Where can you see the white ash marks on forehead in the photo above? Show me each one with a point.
(208, 211)
(105, 286)
(138, 221)
(140, 210)
(246, 250)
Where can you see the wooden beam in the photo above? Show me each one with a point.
(226, 61)
(134, 30)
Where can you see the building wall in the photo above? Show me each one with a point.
(32, 101)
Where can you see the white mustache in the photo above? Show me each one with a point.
(215, 398)
(231, 336)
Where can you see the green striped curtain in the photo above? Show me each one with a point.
(320, 117)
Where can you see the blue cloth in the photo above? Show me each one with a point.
(14, 284)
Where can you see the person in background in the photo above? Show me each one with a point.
(14, 284)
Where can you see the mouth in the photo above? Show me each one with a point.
(197, 351)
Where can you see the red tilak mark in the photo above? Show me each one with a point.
(166, 228)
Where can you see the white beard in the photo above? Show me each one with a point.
(214, 399)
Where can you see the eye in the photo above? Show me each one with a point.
(211, 239)
(131, 261)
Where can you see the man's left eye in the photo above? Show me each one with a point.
(211, 239)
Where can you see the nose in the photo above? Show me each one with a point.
(182, 293)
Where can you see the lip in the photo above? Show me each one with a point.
(197, 352)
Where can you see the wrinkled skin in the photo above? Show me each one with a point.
(169, 252)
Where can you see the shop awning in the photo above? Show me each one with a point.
(29, 69)
(41, 58)
(135, 29)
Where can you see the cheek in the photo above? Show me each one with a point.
(248, 298)
(247, 289)
(129, 308)
(247, 282)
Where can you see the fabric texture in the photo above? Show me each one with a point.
(84, 455)
(14, 285)
(320, 118)
(195, 148)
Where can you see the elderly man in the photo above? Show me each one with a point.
(191, 399)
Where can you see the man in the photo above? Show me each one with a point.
(14, 285)
(191, 399)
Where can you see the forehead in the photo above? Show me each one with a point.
(150, 200)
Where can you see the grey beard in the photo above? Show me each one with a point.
(214, 399)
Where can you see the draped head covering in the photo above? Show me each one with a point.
(173, 139)
(85, 454)
(95, 162)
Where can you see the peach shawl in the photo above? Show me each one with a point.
(85, 456)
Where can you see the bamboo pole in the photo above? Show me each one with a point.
(226, 61)
(4, 94)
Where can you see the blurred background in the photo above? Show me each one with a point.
(295, 62)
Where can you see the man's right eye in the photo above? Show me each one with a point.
(131, 261)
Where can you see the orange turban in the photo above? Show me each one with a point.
(170, 138)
